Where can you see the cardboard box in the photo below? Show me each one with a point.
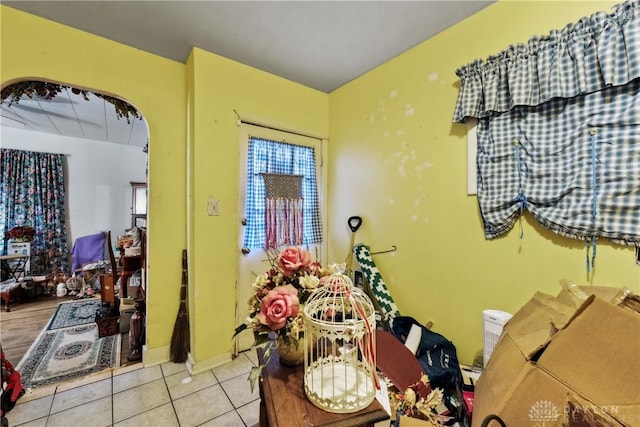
(584, 414)
(22, 248)
(133, 286)
(556, 365)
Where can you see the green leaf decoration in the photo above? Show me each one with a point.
(240, 329)
(254, 374)
(261, 339)
(47, 90)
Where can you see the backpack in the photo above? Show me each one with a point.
(436, 354)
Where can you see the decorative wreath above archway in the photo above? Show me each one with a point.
(47, 90)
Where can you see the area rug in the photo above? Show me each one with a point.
(74, 313)
(68, 353)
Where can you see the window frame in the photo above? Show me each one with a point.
(290, 136)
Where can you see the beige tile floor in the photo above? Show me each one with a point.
(162, 395)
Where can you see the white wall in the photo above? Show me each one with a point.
(97, 175)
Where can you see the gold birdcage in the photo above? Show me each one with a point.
(340, 354)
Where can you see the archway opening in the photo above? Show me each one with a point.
(104, 143)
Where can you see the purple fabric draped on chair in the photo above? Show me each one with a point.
(87, 249)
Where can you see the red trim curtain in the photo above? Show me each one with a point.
(284, 211)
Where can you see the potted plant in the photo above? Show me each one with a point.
(20, 233)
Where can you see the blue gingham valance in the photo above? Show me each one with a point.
(598, 51)
(559, 129)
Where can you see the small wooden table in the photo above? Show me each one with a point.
(283, 402)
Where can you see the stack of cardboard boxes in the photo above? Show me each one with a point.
(566, 361)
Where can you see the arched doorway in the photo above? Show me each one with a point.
(104, 141)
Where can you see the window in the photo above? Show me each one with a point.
(273, 157)
(558, 130)
(138, 204)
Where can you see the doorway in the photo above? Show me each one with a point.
(104, 145)
(253, 258)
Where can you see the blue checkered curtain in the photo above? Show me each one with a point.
(273, 157)
(559, 129)
(573, 163)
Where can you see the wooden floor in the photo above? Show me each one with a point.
(21, 326)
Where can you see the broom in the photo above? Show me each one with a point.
(180, 344)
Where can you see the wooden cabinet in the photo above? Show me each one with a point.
(107, 289)
(130, 264)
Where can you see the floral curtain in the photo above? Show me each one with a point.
(32, 193)
(272, 157)
(559, 129)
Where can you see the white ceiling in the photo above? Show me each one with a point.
(74, 116)
(320, 44)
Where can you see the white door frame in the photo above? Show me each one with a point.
(244, 275)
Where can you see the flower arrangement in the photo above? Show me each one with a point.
(23, 233)
(419, 400)
(275, 307)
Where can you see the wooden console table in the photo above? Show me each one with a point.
(283, 402)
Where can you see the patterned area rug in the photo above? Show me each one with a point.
(74, 313)
(67, 353)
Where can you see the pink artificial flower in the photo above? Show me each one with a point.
(293, 259)
(279, 304)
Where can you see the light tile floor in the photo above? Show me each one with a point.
(163, 395)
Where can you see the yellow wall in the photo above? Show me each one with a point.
(194, 155)
(220, 88)
(397, 160)
(154, 85)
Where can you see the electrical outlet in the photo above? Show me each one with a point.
(213, 207)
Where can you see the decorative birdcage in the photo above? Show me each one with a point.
(339, 358)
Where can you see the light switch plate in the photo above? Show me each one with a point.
(213, 207)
